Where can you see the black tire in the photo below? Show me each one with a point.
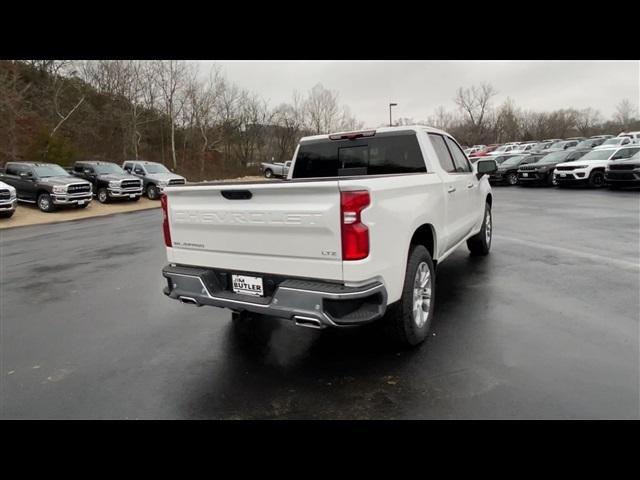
(45, 203)
(400, 320)
(103, 195)
(7, 214)
(268, 173)
(152, 192)
(596, 179)
(551, 180)
(480, 243)
(512, 179)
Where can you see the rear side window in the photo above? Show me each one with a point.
(459, 158)
(444, 157)
(12, 170)
(380, 155)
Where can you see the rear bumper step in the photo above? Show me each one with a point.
(313, 304)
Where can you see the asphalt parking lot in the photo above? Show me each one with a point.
(545, 327)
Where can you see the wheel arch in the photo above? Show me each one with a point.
(425, 235)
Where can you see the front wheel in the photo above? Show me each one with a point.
(409, 319)
(596, 179)
(152, 192)
(551, 180)
(103, 195)
(45, 203)
(480, 243)
(512, 179)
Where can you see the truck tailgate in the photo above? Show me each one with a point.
(284, 228)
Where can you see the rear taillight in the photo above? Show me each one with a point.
(355, 234)
(165, 220)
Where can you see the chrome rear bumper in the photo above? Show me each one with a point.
(309, 303)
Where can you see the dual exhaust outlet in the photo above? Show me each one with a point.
(300, 321)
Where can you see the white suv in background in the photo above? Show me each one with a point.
(634, 136)
(590, 168)
(619, 141)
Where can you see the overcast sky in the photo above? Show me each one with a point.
(419, 87)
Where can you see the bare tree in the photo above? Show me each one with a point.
(253, 118)
(586, 120)
(507, 126)
(321, 110)
(12, 109)
(625, 113)
(289, 118)
(204, 99)
(475, 102)
(170, 76)
(60, 84)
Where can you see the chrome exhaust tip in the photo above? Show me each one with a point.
(308, 322)
(189, 301)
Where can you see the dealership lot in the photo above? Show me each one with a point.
(546, 326)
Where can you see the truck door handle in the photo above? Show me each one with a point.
(470, 185)
(451, 189)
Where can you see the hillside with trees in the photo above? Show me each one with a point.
(206, 127)
(203, 126)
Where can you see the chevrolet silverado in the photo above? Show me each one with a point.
(352, 236)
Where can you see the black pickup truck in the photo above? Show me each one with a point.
(109, 181)
(46, 184)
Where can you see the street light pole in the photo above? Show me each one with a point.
(391, 105)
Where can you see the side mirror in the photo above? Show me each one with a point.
(485, 167)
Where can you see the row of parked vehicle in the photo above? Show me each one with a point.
(49, 186)
(554, 144)
(599, 161)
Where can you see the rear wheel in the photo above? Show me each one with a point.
(45, 203)
(480, 243)
(409, 320)
(268, 173)
(596, 179)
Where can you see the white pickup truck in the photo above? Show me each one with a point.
(352, 235)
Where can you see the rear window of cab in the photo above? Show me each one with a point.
(383, 154)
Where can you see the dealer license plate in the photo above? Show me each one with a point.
(80, 202)
(132, 196)
(247, 285)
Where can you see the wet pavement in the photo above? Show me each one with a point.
(546, 326)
